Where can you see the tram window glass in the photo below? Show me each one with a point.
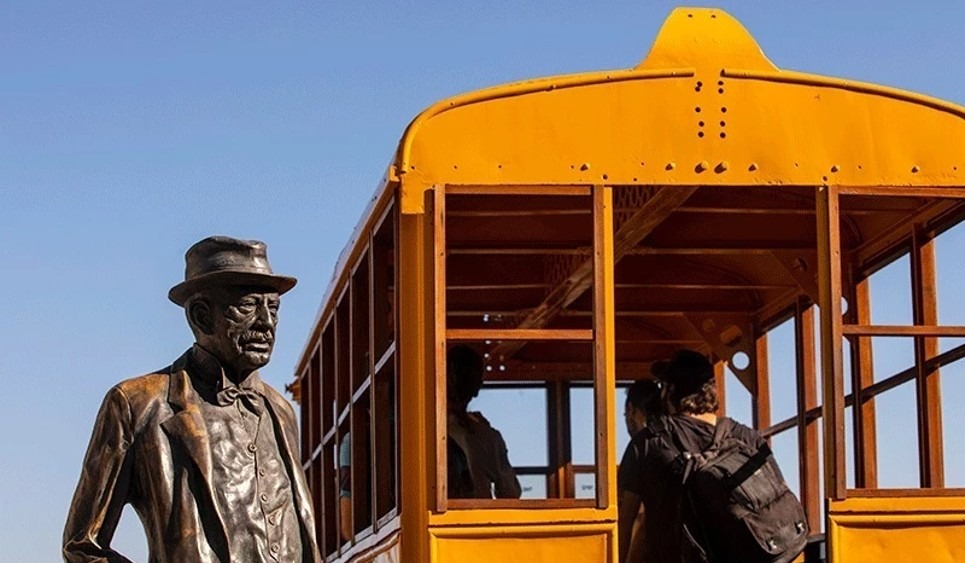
(581, 422)
(898, 437)
(585, 485)
(737, 398)
(361, 464)
(785, 448)
(360, 327)
(327, 410)
(953, 419)
(533, 417)
(385, 440)
(307, 414)
(328, 486)
(534, 486)
(315, 485)
(950, 272)
(782, 371)
(383, 285)
(329, 489)
(343, 482)
(342, 374)
(520, 412)
(891, 302)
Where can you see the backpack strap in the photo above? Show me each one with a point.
(722, 430)
(749, 468)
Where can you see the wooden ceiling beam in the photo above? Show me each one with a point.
(631, 232)
(702, 250)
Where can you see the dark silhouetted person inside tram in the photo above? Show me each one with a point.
(644, 399)
(478, 461)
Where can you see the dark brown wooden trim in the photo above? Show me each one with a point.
(807, 400)
(518, 334)
(603, 335)
(937, 192)
(902, 493)
(829, 283)
(527, 504)
(927, 380)
(919, 331)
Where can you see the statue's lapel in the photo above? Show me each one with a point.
(187, 427)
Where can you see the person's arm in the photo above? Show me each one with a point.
(628, 508)
(505, 481)
(637, 542)
(345, 517)
(103, 487)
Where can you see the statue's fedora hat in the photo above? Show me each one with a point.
(221, 260)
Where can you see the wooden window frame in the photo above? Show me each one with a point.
(601, 338)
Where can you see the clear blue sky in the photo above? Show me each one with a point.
(129, 130)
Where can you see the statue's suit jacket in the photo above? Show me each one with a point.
(150, 448)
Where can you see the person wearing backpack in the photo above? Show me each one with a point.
(710, 488)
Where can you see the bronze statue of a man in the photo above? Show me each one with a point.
(204, 450)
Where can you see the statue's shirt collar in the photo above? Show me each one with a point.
(208, 375)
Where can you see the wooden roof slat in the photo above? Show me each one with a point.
(636, 228)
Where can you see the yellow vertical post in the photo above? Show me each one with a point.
(438, 246)
(415, 348)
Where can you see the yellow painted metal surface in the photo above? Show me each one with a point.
(573, 544)
(705, 107)
(414, 362)
(496, 518)
(919, 529)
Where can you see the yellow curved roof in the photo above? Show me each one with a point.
(706, 107)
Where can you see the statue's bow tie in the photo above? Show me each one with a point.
(249, 398)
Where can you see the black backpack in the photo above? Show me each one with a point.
(735, 506)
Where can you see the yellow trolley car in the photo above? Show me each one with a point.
(576, 229)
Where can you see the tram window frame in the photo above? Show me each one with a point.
(350, 389)
(599, 337)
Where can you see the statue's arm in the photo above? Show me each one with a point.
(103, 487)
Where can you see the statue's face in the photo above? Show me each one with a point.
(242, 323)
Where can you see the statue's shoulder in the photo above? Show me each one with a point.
(141, 390)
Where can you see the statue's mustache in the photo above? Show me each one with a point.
(253, 336)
